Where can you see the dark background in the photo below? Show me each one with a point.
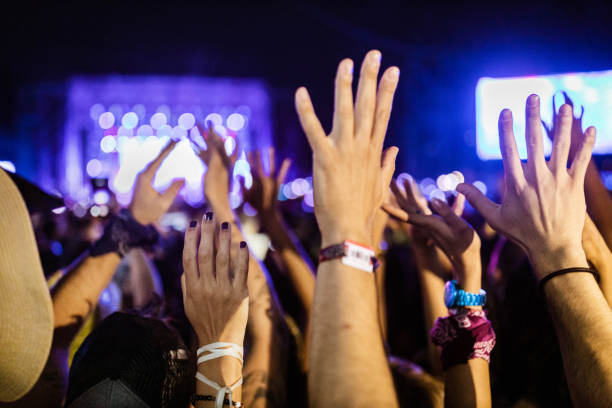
(441, 48)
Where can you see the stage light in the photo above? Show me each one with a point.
(248, 210)
(59, 210)
(129, 120)
(299, 186)
(288, 192)
(165, 109)
(140, 110)
(158, 120)
(436, 193)
(56, 248)
(230, 145)
(125, 132)
(116, 110)
(403, 177)
(95, 111)
(145, 130)
(178, 133)
(443, 182)
(235, 122)
(95, 211)
(104, 211)
(108, 144)
(101, 197)
(79, 210)
(186, 121)
(215, 118)
(235, 200)
(481, 186)
(573, 83)
(106, 120)
(460, 177)
(8, 166)
(309, 198)
(164, 131)
(591, 95)
(94, 168)
(221, 131)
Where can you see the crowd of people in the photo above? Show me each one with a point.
(508, 306)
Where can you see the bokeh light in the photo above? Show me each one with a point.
(129, 120)
(215, 118)
(235, 122)
(106, 120)
(186, 121)
(94, 168)
(158, 120)
(95, 111)
(108, 144)
(145, 130)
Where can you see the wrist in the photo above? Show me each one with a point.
(335, 236)
(551, 260)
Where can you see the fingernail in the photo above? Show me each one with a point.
(375, 58)
(209, 216)
(394, 73)
(348, 67)
(506, 114)
(225, 225)
(193, 224)
(436, 203)
(242, 244)
(565, 110)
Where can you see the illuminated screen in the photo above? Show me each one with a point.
(591, 90)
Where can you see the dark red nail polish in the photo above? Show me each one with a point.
(209, 216)
(225, 225)
(242, 244)
(192, 224)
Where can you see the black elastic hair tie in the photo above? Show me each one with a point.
(564, 271)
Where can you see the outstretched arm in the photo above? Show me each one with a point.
(348, 366)
(466, 384)
(265, 369)
(543, 211)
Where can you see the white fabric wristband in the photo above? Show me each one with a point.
(217, 350)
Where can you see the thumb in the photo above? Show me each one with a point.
(172, 191)
(487, 208)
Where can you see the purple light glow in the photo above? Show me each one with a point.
(158, 120)
(108, 144)
(186, 121)
(235, 122)
(95, 111)
(106, 120)
(129, 120)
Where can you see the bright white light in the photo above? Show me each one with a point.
(481, 186)
(235, 122)
(591, 95)
(287, 191)
(573, 83)
(79, 210)
(230, 145)
(129, 120)
(106, 120)
(94, 211)
(459, 175)
(215, 118)
(235, 200)
(158, 120)
(186, 121)
(94, 168)
(8, 166)
(443, 182)
(95, 111)
(299, 187)
(145, 130)
(108, 144)
(59, 210)
(101, 197)
(403, 177)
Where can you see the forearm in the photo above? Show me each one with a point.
(347, 360)
(77, 292)
(293, 257)
(598, 202)
(432, 293)
(467, 385)
(583, 322)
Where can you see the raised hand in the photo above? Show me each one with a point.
(448, 230)
(215, 290)
(147, 204)
(350, 174)
(263, 194)
(219, 171)
(544, 207)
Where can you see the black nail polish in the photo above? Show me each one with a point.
(209, 216)
(192, 224)
(242, 244)
(225, 225)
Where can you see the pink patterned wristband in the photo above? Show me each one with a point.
(464, 335)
